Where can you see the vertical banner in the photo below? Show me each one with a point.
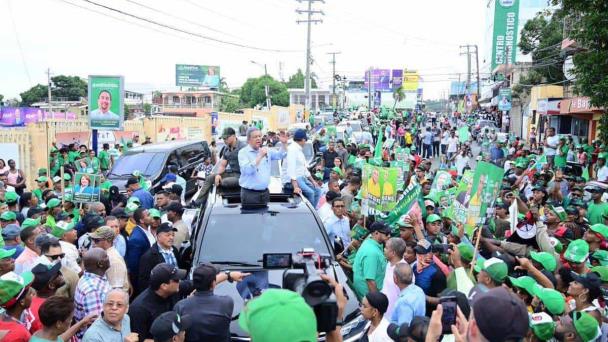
(86, 187)
(380, 187)
(504, 99)
(106, 102)
(410, 197)
(483, 192)
(214, 123)
(504, 38)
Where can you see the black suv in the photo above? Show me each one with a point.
(233, 238)
(153, 161)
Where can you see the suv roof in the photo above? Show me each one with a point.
(164, 146)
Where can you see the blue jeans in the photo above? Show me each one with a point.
(309, 191)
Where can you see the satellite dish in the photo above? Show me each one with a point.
(569, 68)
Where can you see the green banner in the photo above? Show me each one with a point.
(106, 96)
(442, 181)
(410, 196)
(504, 38)
(457, 211)
(380, 187)
(483, 191)
(463, 134)
(401, 166)
(331, 132)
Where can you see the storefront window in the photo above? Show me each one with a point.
(580, 127)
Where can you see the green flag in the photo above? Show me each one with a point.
(585, 174)
(463, 134)
(378, 150)
(410, 196)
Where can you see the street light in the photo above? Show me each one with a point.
(261, 65)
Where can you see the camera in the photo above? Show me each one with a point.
(301, 276)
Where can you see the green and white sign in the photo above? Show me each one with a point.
(197, 75)
(504, 38)
(504, 99)
(106, 102)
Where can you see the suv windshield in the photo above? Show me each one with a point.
(148, 163)
(264, 232)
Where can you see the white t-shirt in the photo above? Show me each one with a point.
(602, 174)
(461, 162)
(551, 141)
(445, 138)
(379, 334)
(452, 145)
(390, 289)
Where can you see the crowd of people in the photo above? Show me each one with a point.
(535, 268)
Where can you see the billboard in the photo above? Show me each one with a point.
(504, 99)
(197, 76)
(106, 102)
(504, 37)
(397, 78)
(410, 81)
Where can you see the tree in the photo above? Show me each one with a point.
(398, 96)
(296, 81)
(590, 31)
(541, 37)
(253, 92)
(147, 108)
(1, 98)
(70, 88)
(230, 104)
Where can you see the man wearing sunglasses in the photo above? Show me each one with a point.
(338, 226)
(370, 264)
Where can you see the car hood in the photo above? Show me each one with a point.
(241, 292)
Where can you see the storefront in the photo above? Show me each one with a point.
(578, 118)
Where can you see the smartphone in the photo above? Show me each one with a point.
(448, 303)
(276, 260)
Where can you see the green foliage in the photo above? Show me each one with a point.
(1, 97)
(541, 37)
(398, 96)
(435, 105)
(37, 93)
(70, 88)
(590, 31)
(297, 80)
(126, 112)
(230, 104)
(253, 92)
(147, 108)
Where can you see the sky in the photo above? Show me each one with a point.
(77, 37)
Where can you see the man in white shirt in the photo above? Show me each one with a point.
(338, 224)
(394, 249)
(602, 168)
(301, 179)
(325, 211)
(452, 145)
(551, 142)
(67, 235)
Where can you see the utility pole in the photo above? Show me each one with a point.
(333, 74)
(309, 12)
(468, 53)
(369, 89)
(48, 77)
(477, 68)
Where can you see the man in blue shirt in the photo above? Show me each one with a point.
(411, 300)
(135, 190)
(254, 162)
(497, 154)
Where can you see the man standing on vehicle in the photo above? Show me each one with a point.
(370, 263)
(300, 177)
(328, 159)
(228, 170)
(254, 162)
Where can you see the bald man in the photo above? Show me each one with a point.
(93, 286)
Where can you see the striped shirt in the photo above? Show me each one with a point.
(89, 297)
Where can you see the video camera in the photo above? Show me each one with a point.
(301, 276)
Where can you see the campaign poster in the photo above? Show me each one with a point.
(86, 187)
(380, 187)
(407, 202)
(480, 194)
(106, 102)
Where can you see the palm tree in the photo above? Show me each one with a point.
(398, 96)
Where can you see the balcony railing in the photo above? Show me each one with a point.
(187, 105)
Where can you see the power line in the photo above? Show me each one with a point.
(182, 18)
(23, 60)
(186, 31)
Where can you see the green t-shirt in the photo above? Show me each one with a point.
(560, 160)
(73, 155)
(38, 193)
(104, 160)
(595, 211)
(93, 164)
(370, 264)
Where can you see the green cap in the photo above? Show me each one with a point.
(601, 229)
(466, 251)
(131, 207)
(556, 244)
(577, 251)
(6, 253)
(155, 213)
(603, 155)
(30, 222)
(68, 198)
(11, 285)
(546, 259)
(134, 199)
(454, 230)
(10, 197)
(8, 216)
(602, 271)
(53, 203)
(402, 224)
(358, 232)
(279, 308)
(136, 173)
(479, 263)
(61, 228)
(552, 300)
(67, 177)
(527, 283)
(338, 171)
(42, 172)
(42, 179)
(601, 256)
(433, 218)
(496, 269)
(586, 326)
(542, 325)
(559, 211)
